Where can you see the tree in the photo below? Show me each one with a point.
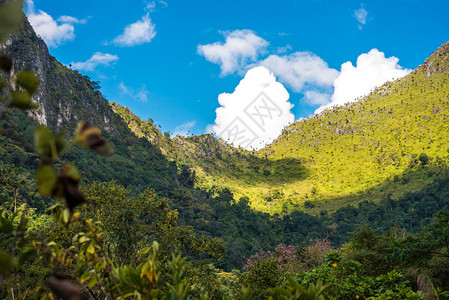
(423, 158)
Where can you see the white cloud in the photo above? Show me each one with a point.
(361, 14)
(53, 32)
(73, 20)
(240, 48)
(184, 128)
(255, 113)
(372, 70)
(316, 98)
(209, 129)
(97, 59)
(282, 50)
(140, 95)
(241, 51)
(304, 72)
(138, 33)
(30, 5)
(150, 6)
(301, 69)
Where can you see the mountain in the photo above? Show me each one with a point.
(65, 97)
(361, 163)
(143, 159)
(370, 149)
(364, 150)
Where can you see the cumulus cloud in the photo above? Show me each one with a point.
(72, 20)
(97, 59)
(53, 32)
(184, 128)
(300, 69)
(316, 98)
(255, 113)
(240, 48)
(138, 33)
(372, 69)
(140, 95)
(360, 15)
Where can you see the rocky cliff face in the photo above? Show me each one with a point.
(438, 62)
(65, 96)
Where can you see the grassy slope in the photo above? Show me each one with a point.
(366, 150)
(354, 152)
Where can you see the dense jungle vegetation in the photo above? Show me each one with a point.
(118, 210)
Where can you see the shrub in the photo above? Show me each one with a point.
(423, 158)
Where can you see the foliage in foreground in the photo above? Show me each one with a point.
(101, 250)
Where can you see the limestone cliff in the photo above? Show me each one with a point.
(65, 96)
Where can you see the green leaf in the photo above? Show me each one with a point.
(92, 282)
(66, 216)
(6, 225)
(83, 239)
(91, 248)
(46, 178)
(6, 263)
(60, 142)
(71, 171)
(22, 100)
(42, 140)
(10, 17)
(28, 81)
(86, 276)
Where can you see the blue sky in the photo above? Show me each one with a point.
(149, 55)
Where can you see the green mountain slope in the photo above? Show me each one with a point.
(369, 149)
(365, 150)
(65, 97)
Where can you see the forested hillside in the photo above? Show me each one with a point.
(357, 152)
(345, 198)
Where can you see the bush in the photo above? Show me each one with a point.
(264, 274)
(423, 158)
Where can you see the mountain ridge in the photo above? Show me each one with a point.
(61, 91)
(298, 167)
(388, 161)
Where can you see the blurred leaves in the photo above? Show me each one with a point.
(5, 225)
(67, 186)
(90, 137)
(64, 185)
(6, 63)
(63, 288)
(6, 263)
(46, 178)
(22, 100)
(11, 17)
(28, 81)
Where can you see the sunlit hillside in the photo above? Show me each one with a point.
(366, 150)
